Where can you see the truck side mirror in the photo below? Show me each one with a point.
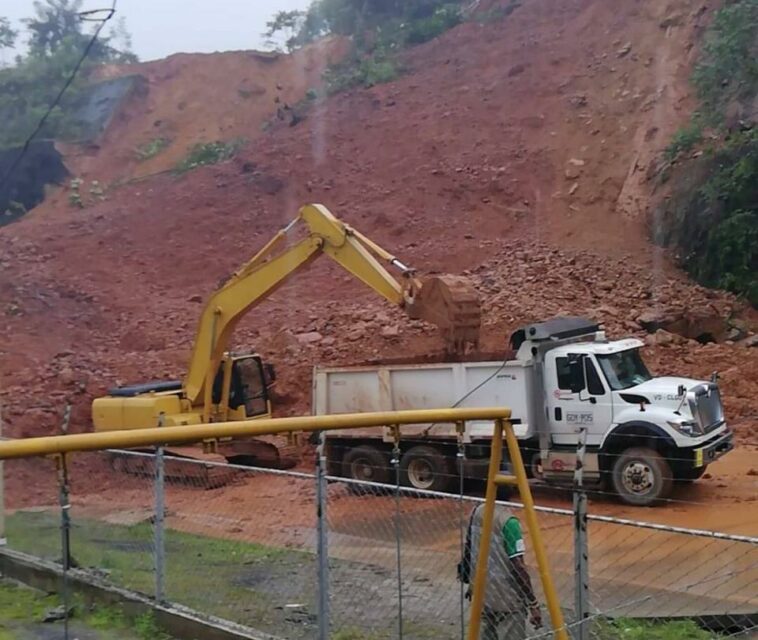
(269, 373)
(576, 371)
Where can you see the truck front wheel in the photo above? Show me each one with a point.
(641, 477)
(366, 463)
(425, 468)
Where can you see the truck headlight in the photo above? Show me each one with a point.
(686, 427)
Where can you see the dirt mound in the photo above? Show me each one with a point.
(514, 151)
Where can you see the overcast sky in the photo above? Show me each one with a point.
(163, 27)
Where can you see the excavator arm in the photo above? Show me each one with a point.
(447, 301)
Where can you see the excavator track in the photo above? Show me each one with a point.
(190, 465)
(184, 465)
(270, 452)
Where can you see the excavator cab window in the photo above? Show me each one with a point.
(248, 386)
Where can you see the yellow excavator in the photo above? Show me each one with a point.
(221, 385)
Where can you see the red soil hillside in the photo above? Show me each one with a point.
(192, 98)
(514, 150)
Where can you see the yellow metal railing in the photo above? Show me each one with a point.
(59, 446)
(52, 445)
(504, 428)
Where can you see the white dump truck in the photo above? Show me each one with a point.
(642, 433)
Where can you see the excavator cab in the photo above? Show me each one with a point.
(245, 395)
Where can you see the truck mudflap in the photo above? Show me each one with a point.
(713, 450)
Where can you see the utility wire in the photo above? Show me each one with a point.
(84, 16)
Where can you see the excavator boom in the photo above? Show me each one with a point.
(450, 302)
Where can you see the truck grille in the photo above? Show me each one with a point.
(705, 403)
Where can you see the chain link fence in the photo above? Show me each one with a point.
(305, 555)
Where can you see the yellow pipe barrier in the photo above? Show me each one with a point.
(495, 478)
(530, 514)
(480, 576)
(127, 439)
(506, 481)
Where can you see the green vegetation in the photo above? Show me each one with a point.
(380, 29)
(728, 67)
(7, 35)
(205, 153)
(151, 149)
(56, 39)
(496, 13)
(626, 629)
(393, 21)
(75, 193)
(684, 140)
(712, 214)
(21, 608)
(124, 554)
(427, 28)
(147, 629)
(361, 72)
(21, 603)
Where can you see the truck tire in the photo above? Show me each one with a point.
(424, 467)
(641, 477)
(366, 463)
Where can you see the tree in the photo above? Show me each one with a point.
(57, 41)
(55, 24)
(359, 17)
(7, 35)
(290, 22)
(57, 28)
(121, 41)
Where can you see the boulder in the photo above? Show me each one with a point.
(751, 341)
(390, 331)
(309, 337)
(703, 325)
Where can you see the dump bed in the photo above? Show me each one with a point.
(424, 386)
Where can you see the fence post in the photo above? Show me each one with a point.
(159, 549)
(322, 552)
(395, 462)
(3, 540)
(581, 555)
(65, 505)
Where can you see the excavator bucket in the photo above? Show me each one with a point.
(452, 303)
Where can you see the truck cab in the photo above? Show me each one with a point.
(642, 433)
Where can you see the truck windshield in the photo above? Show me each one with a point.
(624, 369)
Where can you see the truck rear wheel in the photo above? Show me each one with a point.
(366, 463)
(641, 476)
(425, 468)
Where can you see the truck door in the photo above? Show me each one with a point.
(576, 397)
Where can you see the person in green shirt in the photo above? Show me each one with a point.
(508, 593)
